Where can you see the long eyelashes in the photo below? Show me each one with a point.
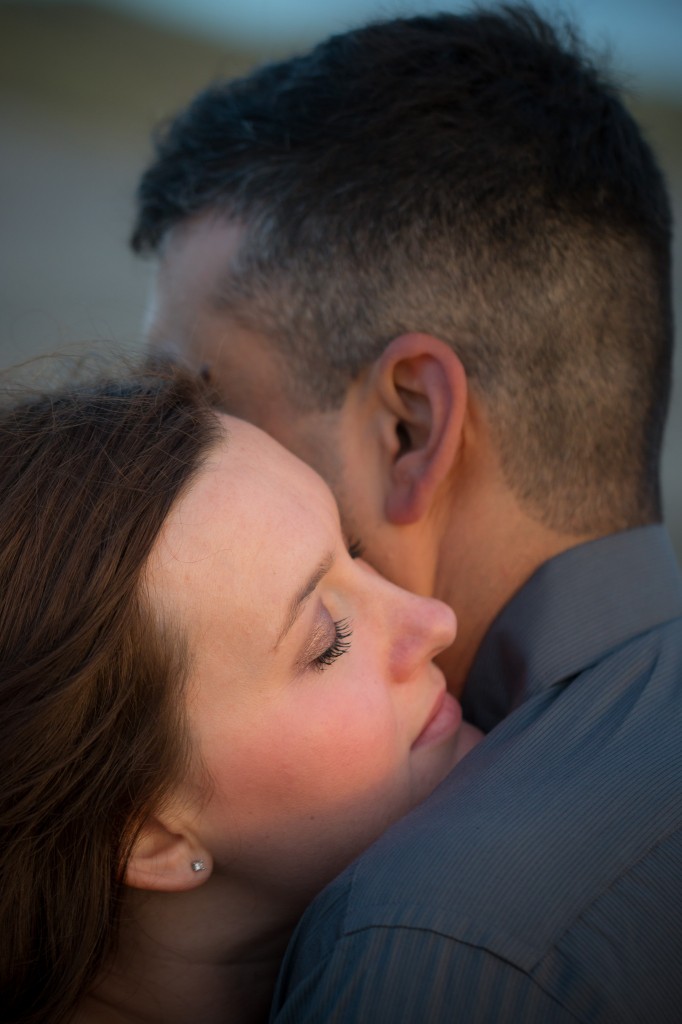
(342, 630)
(339, 646)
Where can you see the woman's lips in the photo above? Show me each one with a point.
(444, 720)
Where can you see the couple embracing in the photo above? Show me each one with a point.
(430, 258)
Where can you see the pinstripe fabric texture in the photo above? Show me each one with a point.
(542, 881)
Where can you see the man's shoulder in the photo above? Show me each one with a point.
(403, 964)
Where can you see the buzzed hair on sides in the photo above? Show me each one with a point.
(475, 177)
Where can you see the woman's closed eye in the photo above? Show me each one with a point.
(339, 645)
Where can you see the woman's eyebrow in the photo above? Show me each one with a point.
(302, 594)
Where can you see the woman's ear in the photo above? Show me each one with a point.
(423, 389)
(166, 858)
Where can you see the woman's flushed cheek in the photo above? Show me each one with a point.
(329, 762)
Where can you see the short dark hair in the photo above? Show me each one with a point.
(92, 733)
(472, 176)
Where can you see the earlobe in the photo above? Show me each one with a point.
(166, 860)
(423, 387)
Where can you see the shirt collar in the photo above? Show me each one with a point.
(573, 610)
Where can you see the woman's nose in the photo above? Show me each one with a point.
(423, 628)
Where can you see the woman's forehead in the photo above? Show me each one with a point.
(252, 513)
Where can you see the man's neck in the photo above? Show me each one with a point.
(483, 563)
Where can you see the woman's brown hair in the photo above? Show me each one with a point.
(91, 728)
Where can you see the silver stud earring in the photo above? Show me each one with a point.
(198, 865)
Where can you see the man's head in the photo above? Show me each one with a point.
(427, 239)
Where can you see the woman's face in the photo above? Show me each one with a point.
(312, 697)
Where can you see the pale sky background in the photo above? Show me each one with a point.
(646, 35)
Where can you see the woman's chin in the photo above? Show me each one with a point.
(448, 741)
(467, 738)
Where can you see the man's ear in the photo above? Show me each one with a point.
(166, 858)
(422, 386)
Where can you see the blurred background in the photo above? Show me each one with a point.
(83, 84)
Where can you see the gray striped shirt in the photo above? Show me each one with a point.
(542, 881)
